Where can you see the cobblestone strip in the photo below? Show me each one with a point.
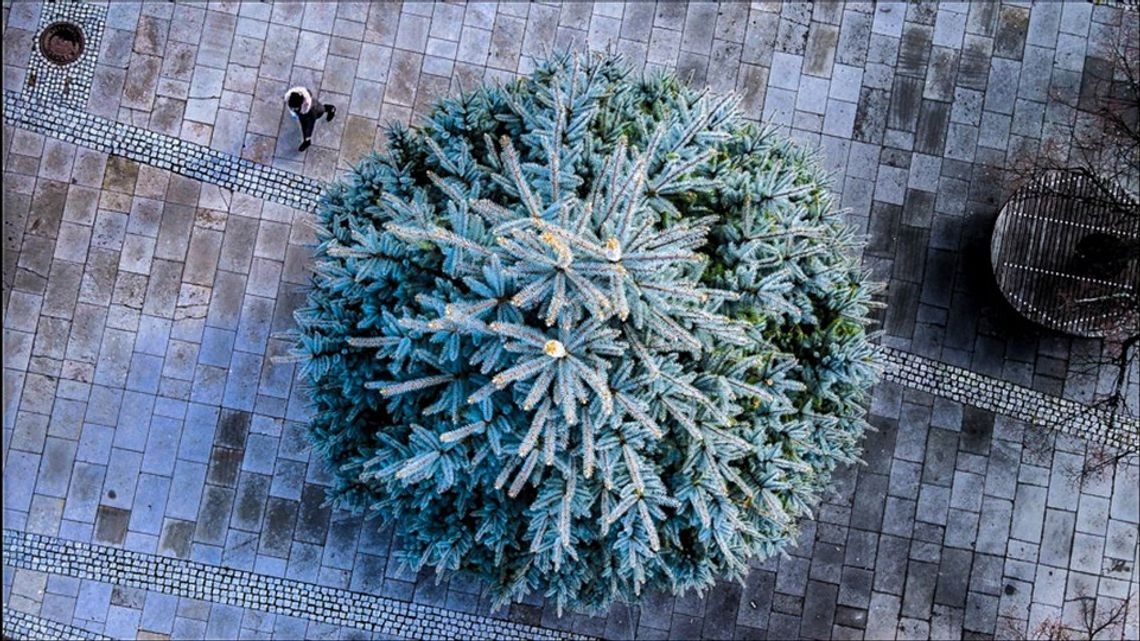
(21, 625)
(256, 591)
(159, 150)
(1002, 397)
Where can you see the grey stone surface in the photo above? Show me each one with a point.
(152, 247)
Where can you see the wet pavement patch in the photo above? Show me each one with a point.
(111, 524)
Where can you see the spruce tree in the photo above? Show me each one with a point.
(586, 334)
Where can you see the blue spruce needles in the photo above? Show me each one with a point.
(586, 335)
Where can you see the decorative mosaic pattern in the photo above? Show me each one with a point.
(165, 152)
(250, 590)
(69, 84)
(21, 625)
(1003, 397)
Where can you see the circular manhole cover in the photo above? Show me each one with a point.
(62, 42)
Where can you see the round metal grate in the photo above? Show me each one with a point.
(1066, 255)
(62, 42)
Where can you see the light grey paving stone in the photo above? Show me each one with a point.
(288, 479)
(238, 244)
(17, 349)
(201, 423)
(1015, 599)
(890, 186)
(961, 528)
(967, 491)
(93, 600)
(986, 574)
(144, 373)
(153, 334)
(1049, 586)
(29, 432)
(170, 407)
(158, 613)
(259, 454)
(217, 347)
(224, 622)
(812, 95)
(180, 360)
(1023, 551)
(994, 525)
(202, 256)
(1125, 504)
(240, 550)
(962, 141)
(1027, 118)
(700, 22)
(933, 504)
(891, 562)
(1087, 554)
(1044, 26)
(44, 515)
(240, 387)
(1020, 569)
(163, 435)
(1120, 541)
(779, 106)
(994, 130)
(1001, 474)
(150, 504)
(785, 71)
(1063, 491)
(122, 622)
(253, 327)
(888, 19)
(1057, 540)
(1002, 85)
(1028, 513)
(188, 480)
(949, 28)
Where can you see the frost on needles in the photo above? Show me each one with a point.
(586, 334)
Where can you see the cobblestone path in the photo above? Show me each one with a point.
(154, 243)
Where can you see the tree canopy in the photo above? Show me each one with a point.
(587, 334)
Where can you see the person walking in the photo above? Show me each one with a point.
(306, 109)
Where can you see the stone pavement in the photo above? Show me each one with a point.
(142, 410)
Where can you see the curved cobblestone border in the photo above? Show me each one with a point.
(21, 625)
(1002, 397)
(159, 150)
(256, 591)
